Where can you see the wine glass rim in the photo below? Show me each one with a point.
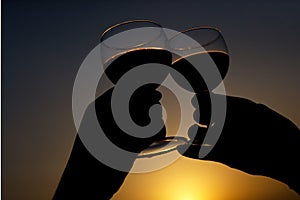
(196, 53)
(197, 28)
(127, 22)
(201, 27)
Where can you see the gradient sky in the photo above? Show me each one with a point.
(44, 43)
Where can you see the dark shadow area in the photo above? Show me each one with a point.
(84, 176)
(255, 139)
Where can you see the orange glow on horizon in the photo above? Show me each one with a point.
(190, 179)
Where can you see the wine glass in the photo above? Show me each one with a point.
(130, 44)
(200, 44)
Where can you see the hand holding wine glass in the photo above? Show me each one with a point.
(86, 177)
(255, 139)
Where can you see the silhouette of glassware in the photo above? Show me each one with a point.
(123, 49)
(128, 45)
(213, 44)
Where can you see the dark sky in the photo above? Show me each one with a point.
(44, 43)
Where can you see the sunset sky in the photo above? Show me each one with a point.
(189, 179)
(45, 42)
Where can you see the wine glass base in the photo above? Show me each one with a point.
(164, 146)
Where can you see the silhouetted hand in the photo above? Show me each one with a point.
(87, 178)
(257, 140)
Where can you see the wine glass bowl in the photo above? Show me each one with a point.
(199, 43)
(129, 36)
